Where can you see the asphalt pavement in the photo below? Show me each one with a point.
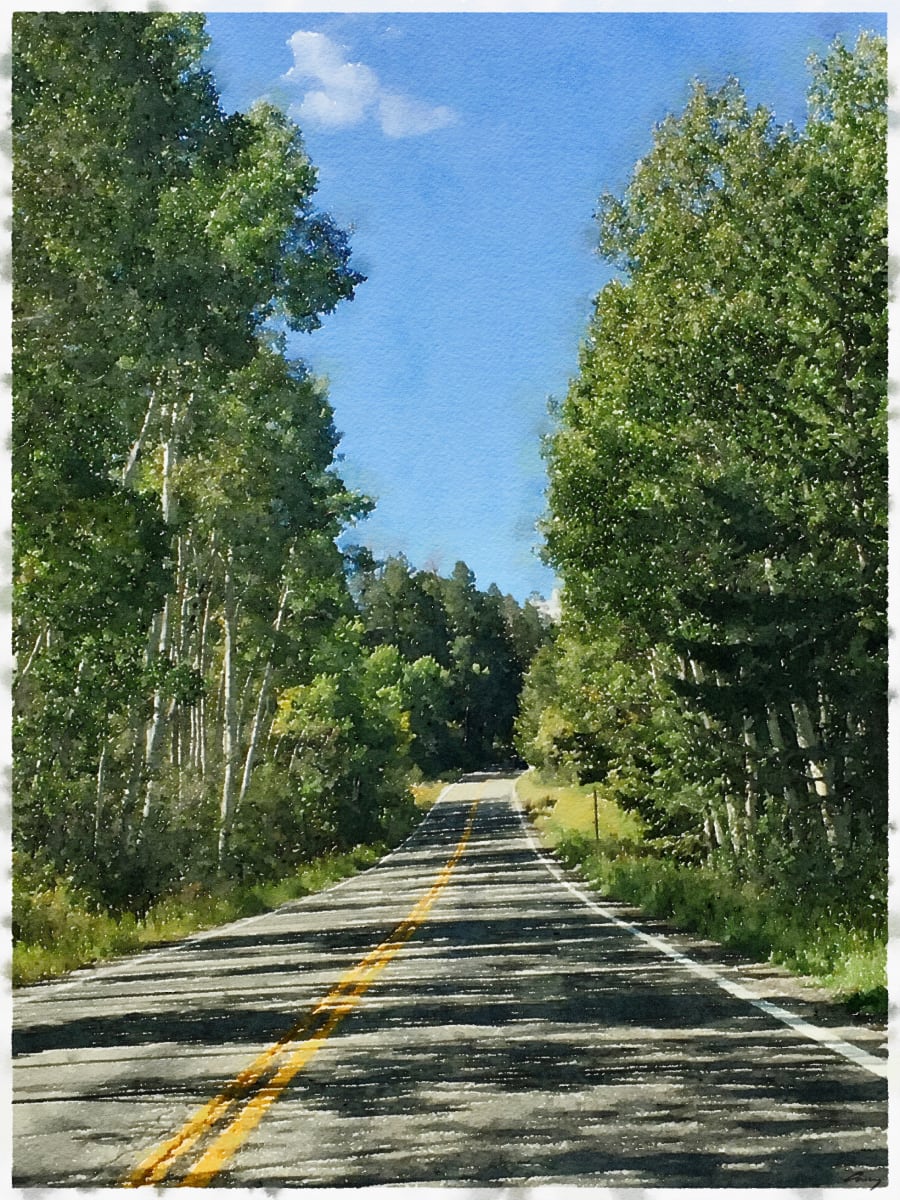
(464, 1013)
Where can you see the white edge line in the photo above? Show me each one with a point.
(855, 1054)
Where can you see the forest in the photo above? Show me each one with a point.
(208, 687)
(214, 683)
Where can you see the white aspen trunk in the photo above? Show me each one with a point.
(162, 712)
(710, 834)
(195, 736)
(719, 832)
(186, 597)
(713, 826)
(178, 755)
(791, 799)
(821, 774)
(255, 728)
(808, 740)
(98, 803)
(131, 464)
(699, 677)
(861, 556)
(654, 667)
(735, 831)
(178, 643)
(129, 799)
(226, 810)
(154, 730)
(202, 762)
(201, 665)
(170, 420)
(43, 636)
(261, 701)
(752, 785)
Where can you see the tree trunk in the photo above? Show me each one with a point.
(261, 702)
(792, 801)
(734, 826)
(201, 663)
(229, 732)
(138, 744)
(154, 732)
(135, 452)
(751, 787)
(822, 778)
(98, 803)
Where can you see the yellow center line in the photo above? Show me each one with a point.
(307, 1035)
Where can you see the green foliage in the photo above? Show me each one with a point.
(175, 502)
(718, 495)
(464, 653)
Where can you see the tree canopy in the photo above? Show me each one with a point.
(463, 654)
(177, 583)
(718, 499)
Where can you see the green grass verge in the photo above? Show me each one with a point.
(801, 936)
(58, 930)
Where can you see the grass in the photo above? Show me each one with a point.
(802, 936)
(425, 794)
(58, 930)
(560, 810)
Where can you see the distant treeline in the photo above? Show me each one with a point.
(462, 654)
(198, 692)
(718, 496)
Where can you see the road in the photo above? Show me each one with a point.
(461, 1013)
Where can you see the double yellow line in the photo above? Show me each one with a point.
(261, 1083)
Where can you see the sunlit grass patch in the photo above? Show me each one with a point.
(425, 793)
(558, 809)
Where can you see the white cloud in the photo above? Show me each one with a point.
(339, 93)
(401, 116)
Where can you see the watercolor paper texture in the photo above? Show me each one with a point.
(450, 635)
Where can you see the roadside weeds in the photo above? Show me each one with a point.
(847, 962)
(57, 929)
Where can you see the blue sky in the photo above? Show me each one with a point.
(466, 152)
